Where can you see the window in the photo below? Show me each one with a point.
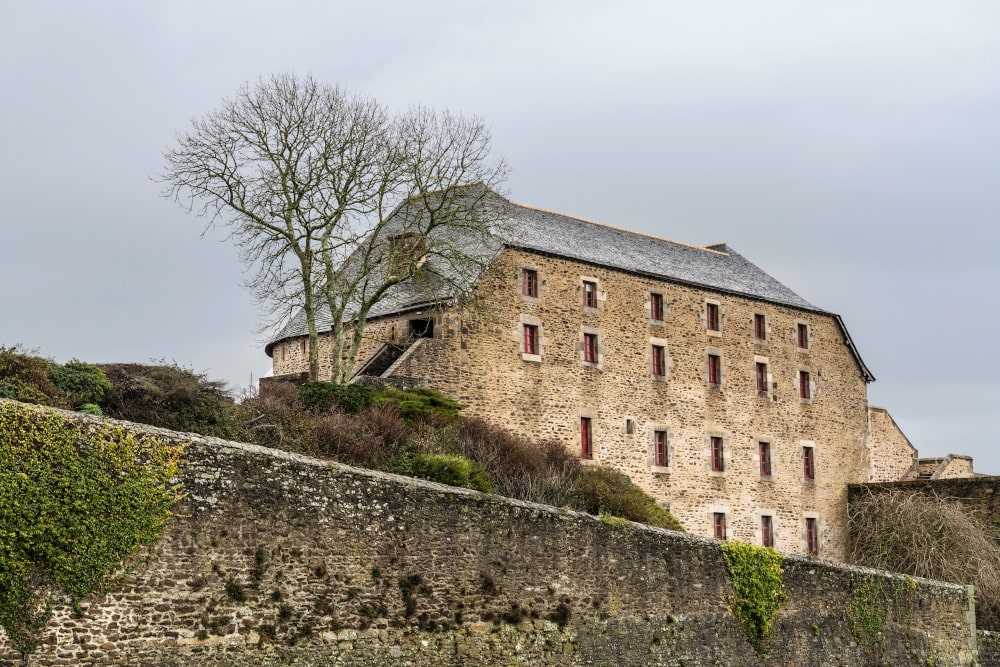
(719, 525)
(802, 335)
(530, 339)
(759, 327)
(808, 464)
(529, 283)
(766, 531)
(586, 438)
(661, 456)
(589, 294)
(761, 377)
(718, 463)
(629, 426)
(712, 316)
(714, 369)
(804, 389)
(764, 450)
(590, 348)
(812, 536)
(659, 360)
(656, 307)
(302, 346)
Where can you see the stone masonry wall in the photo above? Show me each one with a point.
(275, 558)
(892, 455)
(956, 467)
(478, 359)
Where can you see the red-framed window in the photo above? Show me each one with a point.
(590, 347)
(659, 360)
(661, 455)
(530, 339)
(589, 294)
(714, 369)
(764, 452)
(766, 531)
(761, 376)
(804, 389)
(759, 327)
(802, 335)
(719, 525)
(529, 283)
(718, 459)
(712, 316)
(812, 536)
(586, 438)
(808, 464)
(656, 307)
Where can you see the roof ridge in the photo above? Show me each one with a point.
(620, 229)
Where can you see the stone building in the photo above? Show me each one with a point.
(736, 403)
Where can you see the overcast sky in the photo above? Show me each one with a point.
(851, 149)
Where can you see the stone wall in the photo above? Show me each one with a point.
(955, 467)
(477, 358)
(276, 558)
(892, 455)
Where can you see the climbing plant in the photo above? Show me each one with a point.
(755, 573)
(870, 607)
(76, 501)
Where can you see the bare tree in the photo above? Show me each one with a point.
(319, 190)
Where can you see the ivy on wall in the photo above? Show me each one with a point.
(870, 607)
(76, 501)
(755, 573)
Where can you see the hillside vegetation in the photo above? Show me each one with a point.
(418, 432)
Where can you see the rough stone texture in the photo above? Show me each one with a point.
(276, 558)
(989, 647)
(892, 455)
(476, 357)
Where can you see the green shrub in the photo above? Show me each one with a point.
(606, 491)
(91, 409)
(319, 395)
(82, 382)
(351, 398)
(170, 397)
(423, 404)
(77, 500)
(449, 469)
(24, 376)
(356, 397)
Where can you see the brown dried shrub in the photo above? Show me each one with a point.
(925, 535)
(375, 438)
(542, 472)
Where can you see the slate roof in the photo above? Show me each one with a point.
(717, 267)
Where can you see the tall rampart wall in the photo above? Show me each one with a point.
(275, 558)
